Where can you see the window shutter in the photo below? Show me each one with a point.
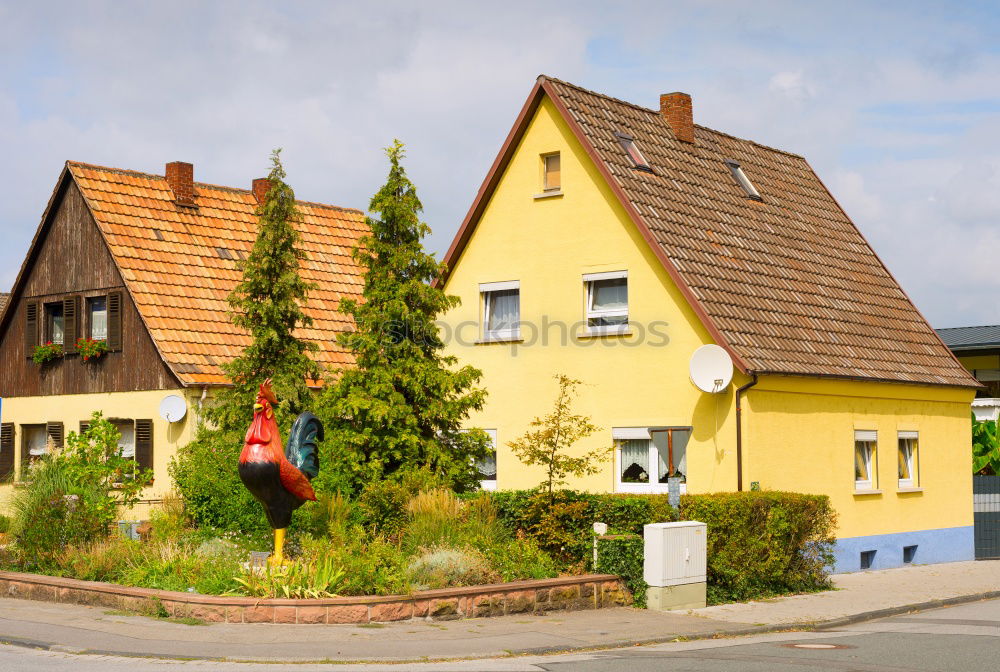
(54, 430)
(144, 443)
(115, 321)
(6, 450)
(30, 327)
(71, 320)
(84, 426)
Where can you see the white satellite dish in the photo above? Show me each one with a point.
(711, 369)
(173, 408)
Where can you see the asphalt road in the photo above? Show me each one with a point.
(961, 639)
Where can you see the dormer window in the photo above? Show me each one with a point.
(743, 180)
(628, 144)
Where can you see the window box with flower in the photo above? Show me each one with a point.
(43, 354)
(91, 348)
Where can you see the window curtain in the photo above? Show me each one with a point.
(862, 461)
(505, 310)
(905, 459)
(126, 444)
(635, 460)
(98, 318)
(610, 294)
(487, 468)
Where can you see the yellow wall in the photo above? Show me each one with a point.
(799, 436)
(798, 432)
(71, 409)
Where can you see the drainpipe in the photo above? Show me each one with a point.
(204, 393)
(739, 431)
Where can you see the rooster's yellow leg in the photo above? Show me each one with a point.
(278, 558)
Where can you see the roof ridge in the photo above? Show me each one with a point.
(657, 112)
(222, 187)
(974, 326)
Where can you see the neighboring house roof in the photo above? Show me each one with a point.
(971, 338)
(787, 284)
(179, 264)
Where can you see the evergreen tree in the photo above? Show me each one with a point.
(267, 304)
(402, 406)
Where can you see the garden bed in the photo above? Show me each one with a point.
(587, 591)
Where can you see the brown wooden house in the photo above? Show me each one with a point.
(143, 264)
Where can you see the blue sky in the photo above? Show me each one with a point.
(895, 104)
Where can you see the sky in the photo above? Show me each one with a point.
(896, 105)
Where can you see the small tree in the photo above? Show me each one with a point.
(267, 304)
(555, 434)
(402, 406)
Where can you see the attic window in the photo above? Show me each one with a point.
(628, 144)
(743, 180)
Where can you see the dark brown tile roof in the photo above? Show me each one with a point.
(788, 284)
(179, 264)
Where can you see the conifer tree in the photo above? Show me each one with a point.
(268, 304)
(403, 404)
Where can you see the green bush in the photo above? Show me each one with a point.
(382, 506)
(622, 555)
(54, 512)
(205, 473)
(4, 523)
(764, 543)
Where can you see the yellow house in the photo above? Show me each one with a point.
(145, 263)
(609, 242)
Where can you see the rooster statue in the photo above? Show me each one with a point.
(279, 479)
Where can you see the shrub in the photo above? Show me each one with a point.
(377, 567)
(168, 520)
(764, 543)
(622, 555)
(205, 473)
(382, 506)
(54, 512)
(444, 567)
(519, 558)
(319, 578)
(435, 520)
(4, 524)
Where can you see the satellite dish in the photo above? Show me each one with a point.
(711, 369)
(173, 408)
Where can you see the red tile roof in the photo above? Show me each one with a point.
(179, 264)
(787, 284)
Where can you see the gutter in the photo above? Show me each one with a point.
(739, 431)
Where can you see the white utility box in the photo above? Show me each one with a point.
(675, 553)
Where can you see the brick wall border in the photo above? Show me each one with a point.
(588, 591)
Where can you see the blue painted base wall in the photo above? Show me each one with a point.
(950, 544)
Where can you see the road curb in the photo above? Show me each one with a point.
(547, 650)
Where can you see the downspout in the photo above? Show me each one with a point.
(739, 431)
(204, 393)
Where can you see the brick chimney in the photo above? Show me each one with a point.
(676, 110)
(260, 188)
(180, 177)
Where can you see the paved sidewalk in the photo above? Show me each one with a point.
(76, 628)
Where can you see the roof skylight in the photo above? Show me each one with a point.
(628, 144)
(743, 180)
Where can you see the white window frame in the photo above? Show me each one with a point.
(652, 466)
(589, 313)
(870, 437)
(912, 459)
(485, 290)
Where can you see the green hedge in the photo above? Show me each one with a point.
(622, 555)
(760, 543)
(764, 543)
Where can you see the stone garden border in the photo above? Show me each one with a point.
(588, 591)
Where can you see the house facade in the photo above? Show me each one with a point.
(978, 349)
(144, 263)
(610, 241)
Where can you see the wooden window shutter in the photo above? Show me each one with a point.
(54, 430)
(115, 321)
(84, 426)
(6, 450)
(144, 443)
(30, 327)
(71, 323)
